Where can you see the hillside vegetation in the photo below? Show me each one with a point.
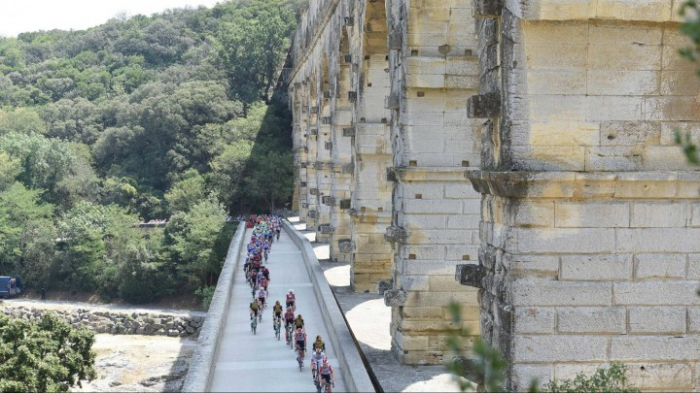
(172, 116)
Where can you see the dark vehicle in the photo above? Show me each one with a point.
(10, 286)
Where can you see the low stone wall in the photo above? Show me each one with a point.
(114, 322)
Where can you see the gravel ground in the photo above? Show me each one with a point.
(139, 364)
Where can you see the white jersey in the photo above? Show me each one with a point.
(262, 294)
(318, 358)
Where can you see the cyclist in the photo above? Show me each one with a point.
(276, 312)
(291, 299)
(254, 308)
(288, 321)
(261, 297)
(266, 273)
(316, 359)
(326, 372)
(319, 344)
(264, 282)
(300, 338)
(299, 322)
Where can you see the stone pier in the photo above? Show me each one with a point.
(526, 145)
(588, 237)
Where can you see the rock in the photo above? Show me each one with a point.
(157, 326)
(191, 330)
(173, 333)
(151, 381)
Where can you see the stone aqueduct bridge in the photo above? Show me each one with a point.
(531, 140)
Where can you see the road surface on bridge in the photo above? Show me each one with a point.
(259, 363)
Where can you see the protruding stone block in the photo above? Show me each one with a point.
(384, 285)
(395, 40)
(470, 275)
(348, 168)
(396, 234)
(395, 298)
(326, 229)
(345, 245)
(487, 8)
(392, 102)
(484, 106)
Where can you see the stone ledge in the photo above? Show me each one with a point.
(604, 185)
(430, 174)
(658, 11)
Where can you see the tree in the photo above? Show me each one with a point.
(186, 192)
(44, 356)
(271, 179)
(20, 211)
(194, 236)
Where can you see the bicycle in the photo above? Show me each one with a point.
(325, 386)
(277, 328)
(300, 357)
(316, 377)
(253, 324)
(290, 339)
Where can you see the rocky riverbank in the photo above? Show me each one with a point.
(139, 363)
(118, 322)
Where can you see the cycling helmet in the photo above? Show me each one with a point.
(289, 309)
(325, 362)
(290, 291)
(299, 330)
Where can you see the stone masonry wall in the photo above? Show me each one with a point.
(588, 237)
(118, 322)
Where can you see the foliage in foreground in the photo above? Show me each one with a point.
(690, 11)
(44, 356)
(612, 379)
(488, 367)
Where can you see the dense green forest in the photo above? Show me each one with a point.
(176, 116)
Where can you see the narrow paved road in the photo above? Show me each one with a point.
(259, 363)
